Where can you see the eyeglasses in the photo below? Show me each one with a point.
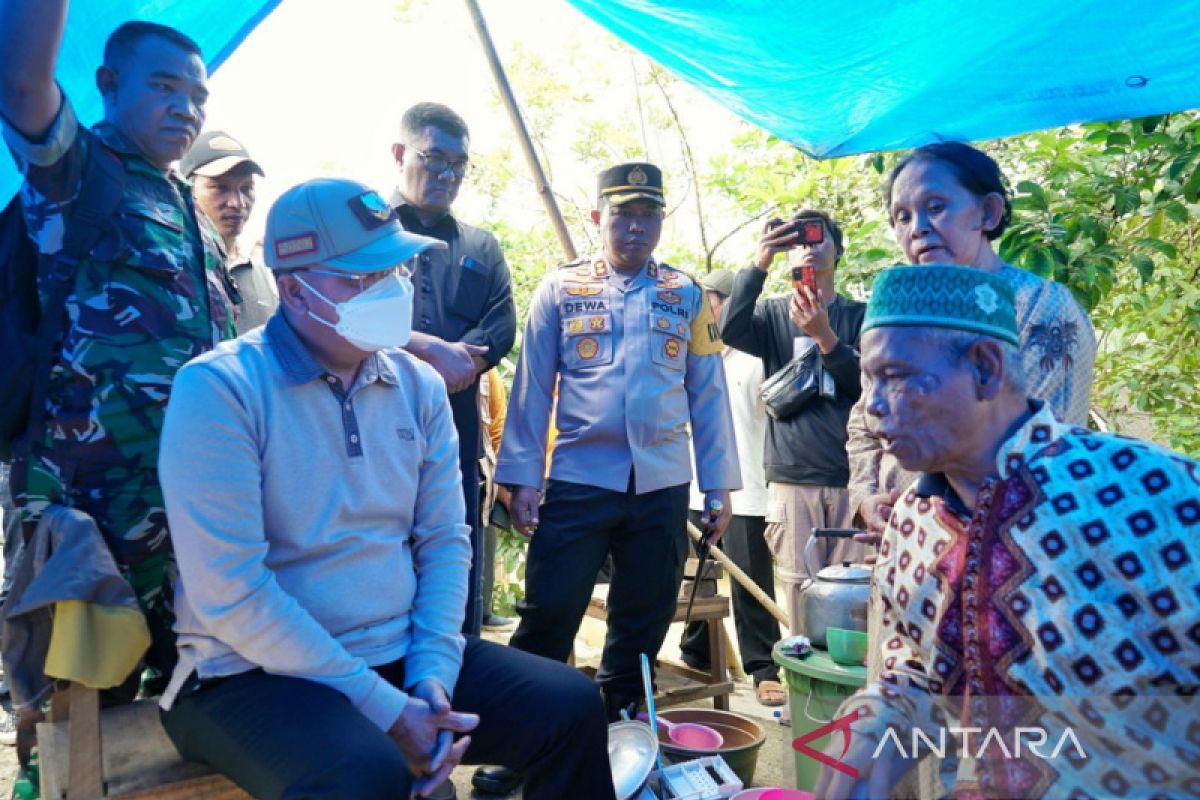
(438, 164)
(362, 280)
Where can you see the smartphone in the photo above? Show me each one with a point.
(804, 276)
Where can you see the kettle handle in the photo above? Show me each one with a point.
(823, 533)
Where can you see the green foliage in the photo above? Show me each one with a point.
(1111, 210)
(510, 572)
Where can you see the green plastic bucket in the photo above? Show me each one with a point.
(817, 685)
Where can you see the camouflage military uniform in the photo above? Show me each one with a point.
(152, 295)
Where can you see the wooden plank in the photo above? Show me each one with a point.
(85, 780)
(139, 759)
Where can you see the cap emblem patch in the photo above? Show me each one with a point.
(636, 177)
(371, 209)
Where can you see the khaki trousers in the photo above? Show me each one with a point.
(793, 510)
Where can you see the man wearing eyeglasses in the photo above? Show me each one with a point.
(464, 320)
(311, 476)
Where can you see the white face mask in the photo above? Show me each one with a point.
(376, 318)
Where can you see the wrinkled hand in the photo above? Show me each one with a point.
(810, 314)
(457, 362)
(713, 527)
(777, 237)
(524, 510)
(425, 732)
(876, 775)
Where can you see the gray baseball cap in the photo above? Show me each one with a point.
(341, 224)
(719, 281)
(215, 153)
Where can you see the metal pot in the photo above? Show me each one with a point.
(834, 596)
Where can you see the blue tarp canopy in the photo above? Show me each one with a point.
(833, 78)
(218, 26)
(836, 78)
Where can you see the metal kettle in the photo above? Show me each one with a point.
(835, 596)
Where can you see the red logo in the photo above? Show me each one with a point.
(800, 744)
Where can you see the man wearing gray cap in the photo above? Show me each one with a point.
(222, 175)
(744, 541)
(311, 467)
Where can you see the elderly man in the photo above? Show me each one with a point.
(464, 320)
(632, 346)
(1039, 580)
(222, 175)
(311, 475)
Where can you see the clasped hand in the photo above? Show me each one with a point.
(425, 732)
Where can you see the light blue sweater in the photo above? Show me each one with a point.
(318, 532)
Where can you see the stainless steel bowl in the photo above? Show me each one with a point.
(632, 752)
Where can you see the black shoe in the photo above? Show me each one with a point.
(445, 792)
(497, 780)
(495, 622)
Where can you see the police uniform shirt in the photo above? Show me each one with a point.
(636, 366)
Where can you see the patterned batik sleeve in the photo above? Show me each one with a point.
(1058, 346)
(53, 169)
(900, 699)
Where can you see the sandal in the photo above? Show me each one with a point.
(770, 693)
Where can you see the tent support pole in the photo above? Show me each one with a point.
(514, 113)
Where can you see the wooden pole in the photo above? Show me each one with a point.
(741, 577)
(514, 114)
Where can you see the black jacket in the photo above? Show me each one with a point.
(463, 294)
(810, 447)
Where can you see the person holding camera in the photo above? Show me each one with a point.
(805, 454)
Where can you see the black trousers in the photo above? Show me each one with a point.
(283, 737)
(579, 526)
(757, 630)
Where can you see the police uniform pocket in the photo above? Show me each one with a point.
(587, 341)
(669, 339)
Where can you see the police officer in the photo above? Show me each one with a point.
(634, 349)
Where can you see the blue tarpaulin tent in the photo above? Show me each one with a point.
(832, 78)
(836, 78)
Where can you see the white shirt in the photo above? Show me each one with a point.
(743, 375)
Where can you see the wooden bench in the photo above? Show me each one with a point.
(120, 752)
(677, 682)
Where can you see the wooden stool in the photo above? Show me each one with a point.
(86, 753)
(677, 682)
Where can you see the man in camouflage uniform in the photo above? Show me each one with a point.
(152, 294)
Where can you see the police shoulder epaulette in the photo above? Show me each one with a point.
(682, 272)
(579, 262)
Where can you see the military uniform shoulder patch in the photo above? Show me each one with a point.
(705, 338)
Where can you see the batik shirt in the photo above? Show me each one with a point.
(151, 295)
(1069, 597)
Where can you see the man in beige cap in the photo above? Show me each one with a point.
(311, 467)
(222, 175)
